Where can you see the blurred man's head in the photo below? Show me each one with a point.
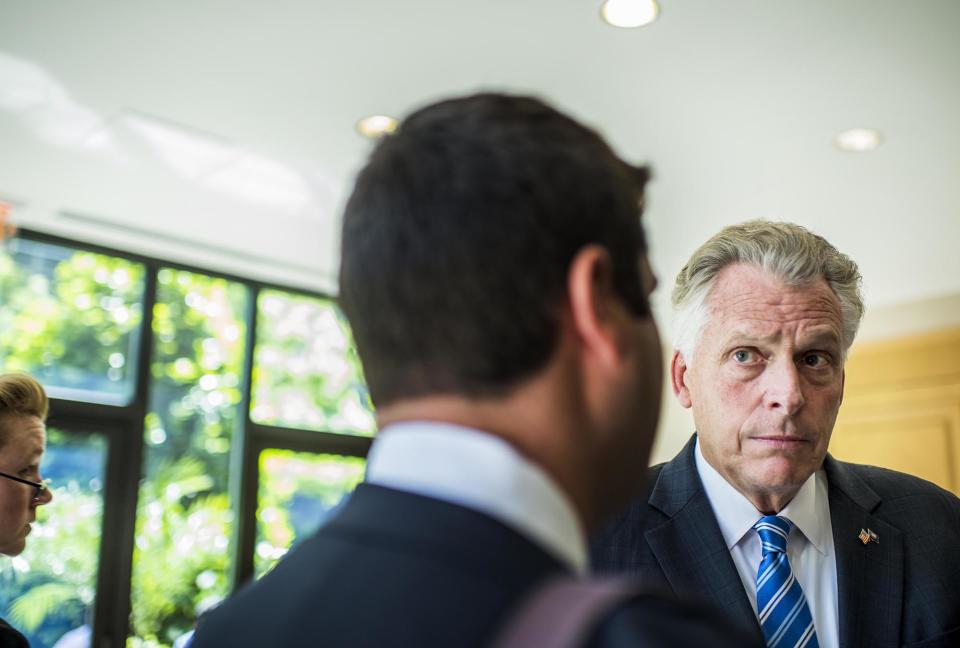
(492, 242)
(764, 314)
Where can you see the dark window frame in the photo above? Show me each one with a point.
(123, 428)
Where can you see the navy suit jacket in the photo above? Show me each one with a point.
(394, 569)
(901, 591)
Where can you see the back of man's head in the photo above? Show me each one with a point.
(458, 238)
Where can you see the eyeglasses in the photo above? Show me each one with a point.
(41, 487)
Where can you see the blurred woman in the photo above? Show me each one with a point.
(23, 411)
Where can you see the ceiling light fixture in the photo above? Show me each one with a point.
(376, 126)
(858, 140)
(629, 13)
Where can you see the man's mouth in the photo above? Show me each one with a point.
(781, 441)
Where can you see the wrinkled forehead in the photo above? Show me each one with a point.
(27, 434)
(749, 298)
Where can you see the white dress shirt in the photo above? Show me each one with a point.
(809, 546)
(482, 472)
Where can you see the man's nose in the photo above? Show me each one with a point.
(782, 387)
(46, 496)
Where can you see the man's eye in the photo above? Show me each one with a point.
(815, 360)
(743, 356)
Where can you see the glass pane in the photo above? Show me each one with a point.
(49, 590)
(184, 521)
(306, 372)
(298, 490)
(71, 319)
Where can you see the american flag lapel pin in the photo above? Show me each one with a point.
(868, 535)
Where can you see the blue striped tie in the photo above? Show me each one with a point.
(782, 607)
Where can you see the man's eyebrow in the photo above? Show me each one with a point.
(822, 338)
(739, 336)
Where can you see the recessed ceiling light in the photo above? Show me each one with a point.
(858, 140)
(629, 13)
(376, 126)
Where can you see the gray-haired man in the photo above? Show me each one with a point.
(753, 514)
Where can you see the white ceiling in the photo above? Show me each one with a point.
(735, 103)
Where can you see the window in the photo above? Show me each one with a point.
(181, 560)
(200, 426)
(298, 491)
(306, 372)
(50, 589)
(70, 318)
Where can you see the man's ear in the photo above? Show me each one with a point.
(596, 308)
(678, 377)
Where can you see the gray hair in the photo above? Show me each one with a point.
(791, 253)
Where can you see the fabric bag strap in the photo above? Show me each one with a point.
(561, 613)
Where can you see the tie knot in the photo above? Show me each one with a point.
(773, 532)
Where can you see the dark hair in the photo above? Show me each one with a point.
(458, 237)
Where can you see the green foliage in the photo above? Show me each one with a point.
(285, 477)
(29, 610)
(181, 558)
(70, 321)
(184, 521)
(307, 372)
(199, 345)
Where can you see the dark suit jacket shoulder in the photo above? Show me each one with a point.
(391, 569)
(904, 585)
(394, 569)
(900, 492)
(897, 591)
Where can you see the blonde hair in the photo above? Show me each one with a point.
(21, 394)
(789, 252)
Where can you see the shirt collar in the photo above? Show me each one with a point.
(482, 472)
(808, 510)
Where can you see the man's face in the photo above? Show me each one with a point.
(25, 438)
(766, 382)
(636, 409)
(649, 365)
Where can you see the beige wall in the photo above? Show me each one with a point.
(676, 423)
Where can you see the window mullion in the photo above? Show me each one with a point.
(112, 613)
(243, 476)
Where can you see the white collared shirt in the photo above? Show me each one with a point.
(809, 546)
(482, 472)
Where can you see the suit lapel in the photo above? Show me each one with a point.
(689, 545)
(869, 576)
